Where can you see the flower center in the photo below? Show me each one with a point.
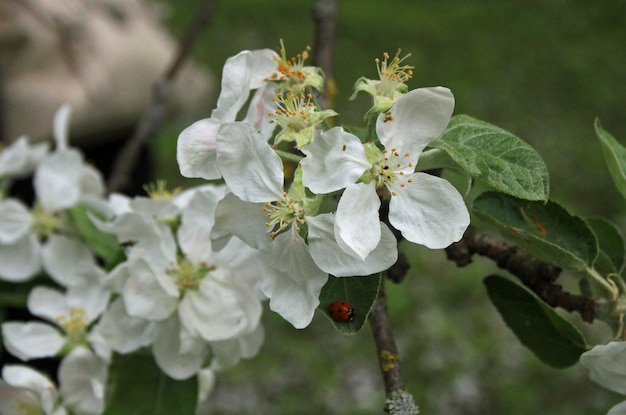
(75, 325)
(28, 408)
(392, 73)
(394, 167)
(294, 110)
(187, 275)
(158, 190)
(291, 70)
(282, 214)
(44, 223)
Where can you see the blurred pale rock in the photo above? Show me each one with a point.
(100, 56)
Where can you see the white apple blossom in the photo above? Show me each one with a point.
(20, 158)
(70, 313)
(61, 180)
(25, 391)
(389, 87)
(427, 210)
(193, 295)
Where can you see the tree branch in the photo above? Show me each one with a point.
(150, 123)
(398, 400)
(538, 276)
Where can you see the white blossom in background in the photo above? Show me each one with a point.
(61, 180)
(21, 158)
(70, 313)
(187, 295)
(24, 391)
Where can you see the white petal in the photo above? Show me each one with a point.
(31, 387)
(251, 169)
(178, 354)
(415, 119)
(356, 224)
(333, 160)
(228, 353)
(20, 260)
(332, 259)
(61, 126)
(47, 303)
(144, 296)
(236, 77)
(607, 365)
(124, 333)
(195, 150)
(263, 65)
(222, 308)
(194, 233)
(619, 409)
(82, 380)
(295, 282)
(147, 235)
(260, 106)
(56, 180)
(429, 211)
(15, 220)
(244, 220)
(31, 340)
(20, 158)
(91, 183)
(65, 259)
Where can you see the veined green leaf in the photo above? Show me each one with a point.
(495, 156)
(546, 231)
(614, 155)
(139, 387)
(359, 292)
(549, 336)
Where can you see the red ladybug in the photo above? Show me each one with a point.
(341, 311)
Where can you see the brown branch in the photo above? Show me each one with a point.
(538, 276)
(324, 14)
(388, 358)
(150, 123)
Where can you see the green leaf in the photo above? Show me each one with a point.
(549, 336)
(104, 245)
(610, 239)
(359, 292)
(495, 156)
(138, 387)
(546, 231)
(614, 155)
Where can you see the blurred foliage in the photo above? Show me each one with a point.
(541, 70)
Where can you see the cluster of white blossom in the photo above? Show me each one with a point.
(325, 220)
(194, 267)
(196, 310)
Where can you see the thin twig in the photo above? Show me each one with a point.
(324, 14)
(388, 358)
(150, 123)
(538, 276)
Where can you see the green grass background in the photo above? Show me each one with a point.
(542, 70)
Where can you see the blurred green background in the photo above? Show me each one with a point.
(541, 70)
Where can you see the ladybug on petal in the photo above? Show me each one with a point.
(341, 311)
